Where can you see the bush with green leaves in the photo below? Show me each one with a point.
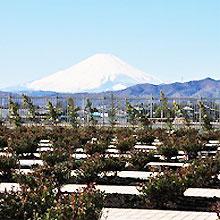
(55, 156)
(168, 151)
(24, 144)
(60, 163)
(7, 164)
(3, 143)
(90, 168)
(96, 146)
(125, 144)
(163, 188)
(191, 146)
(203, 173)
(188, 140)
(88, 203)
(145, 137)
(40, 197)
(113, 164)
(140, 159)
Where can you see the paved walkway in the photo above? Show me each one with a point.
(148, 214)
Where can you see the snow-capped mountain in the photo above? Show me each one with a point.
(100, 72)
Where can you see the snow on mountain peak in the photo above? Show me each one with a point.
(100, 72)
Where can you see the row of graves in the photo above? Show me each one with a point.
(122, 187)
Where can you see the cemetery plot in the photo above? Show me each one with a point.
(115, 169)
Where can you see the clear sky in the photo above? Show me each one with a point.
(174, 40)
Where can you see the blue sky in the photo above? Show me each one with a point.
(172, 40)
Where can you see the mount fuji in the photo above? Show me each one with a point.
(98, 73)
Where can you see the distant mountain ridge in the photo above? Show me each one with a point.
(207, 88)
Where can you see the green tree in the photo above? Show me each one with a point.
(90, 110)
(53, 113)
(143, 117)
(14, 116)
(31, 110)
(206, 119)
(137, 115)
(73, 113)
(177, 110)
(132, 114)
(112, 113)
(165, 111)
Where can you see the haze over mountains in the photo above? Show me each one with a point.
(104, 73)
